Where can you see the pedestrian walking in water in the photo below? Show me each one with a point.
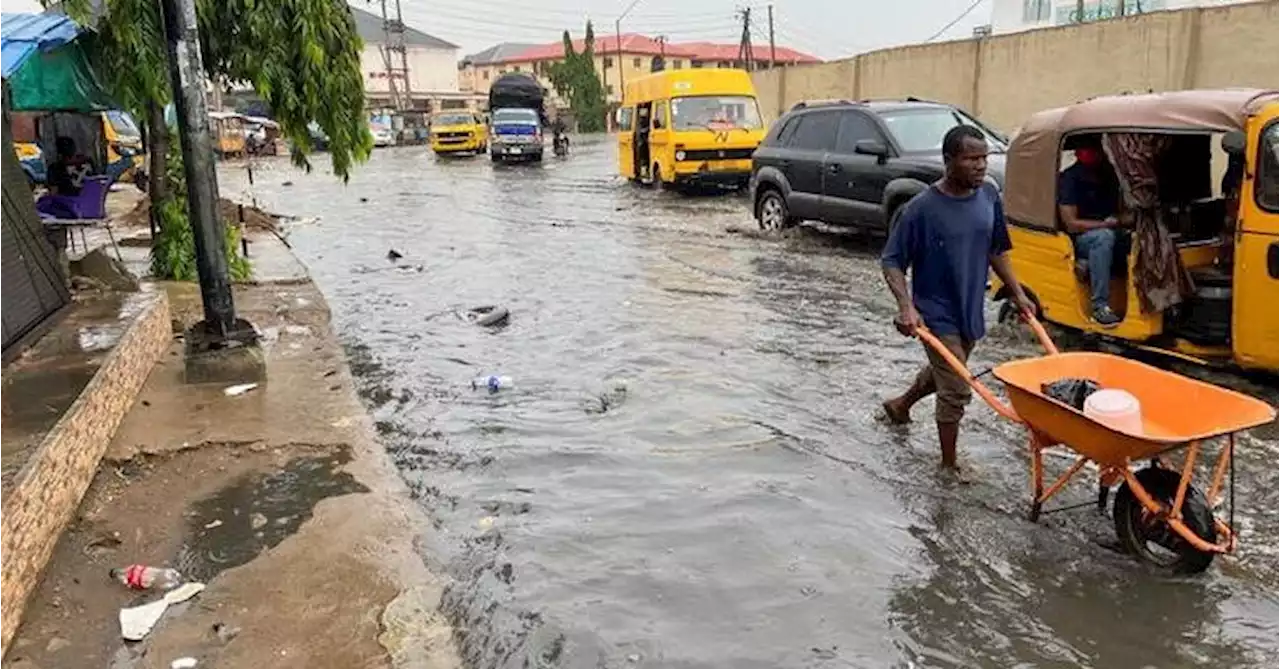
(949, 237)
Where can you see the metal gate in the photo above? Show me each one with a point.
(32, 285)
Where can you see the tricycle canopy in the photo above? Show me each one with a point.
(1032, 163)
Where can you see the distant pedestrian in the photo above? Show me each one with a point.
(948, 237)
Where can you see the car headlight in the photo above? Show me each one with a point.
(680, 155)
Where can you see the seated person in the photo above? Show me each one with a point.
(65, 179)
(1088, 202)
(66, 174)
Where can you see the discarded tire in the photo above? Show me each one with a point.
(489, 316)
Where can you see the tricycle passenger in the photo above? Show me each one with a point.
(1089, 205)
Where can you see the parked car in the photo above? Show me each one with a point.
(855, 163)
(382, 135)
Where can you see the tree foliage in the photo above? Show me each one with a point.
(302, 57)
(173, 254)
(575, 78)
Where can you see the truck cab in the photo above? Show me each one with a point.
(516, 134)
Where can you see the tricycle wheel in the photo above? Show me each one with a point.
(1149, 537)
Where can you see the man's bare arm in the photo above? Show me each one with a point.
(897, 281)
(1075, 225)
(1004, 270)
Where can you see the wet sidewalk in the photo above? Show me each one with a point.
(279, 499)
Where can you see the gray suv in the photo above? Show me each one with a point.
(855, 163)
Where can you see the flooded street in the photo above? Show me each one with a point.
(688, 471)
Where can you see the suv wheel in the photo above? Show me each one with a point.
(772, 213)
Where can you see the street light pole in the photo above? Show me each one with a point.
(187, 74)
(221, 348)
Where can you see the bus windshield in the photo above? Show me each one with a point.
(711, 112)
(453, 119)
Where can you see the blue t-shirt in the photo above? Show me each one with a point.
(947, 243)
(1095, 193)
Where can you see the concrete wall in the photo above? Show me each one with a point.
(1004, 79)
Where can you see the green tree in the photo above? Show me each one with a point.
(575, 78)
(302, 57)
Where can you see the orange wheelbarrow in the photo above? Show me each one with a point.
(1159, 515)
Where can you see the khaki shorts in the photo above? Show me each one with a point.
(953, 392)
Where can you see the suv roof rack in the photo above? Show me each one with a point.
(804, 104)
(909, 98)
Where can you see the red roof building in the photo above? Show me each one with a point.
(638, 56)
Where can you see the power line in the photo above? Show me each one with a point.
(955, 20)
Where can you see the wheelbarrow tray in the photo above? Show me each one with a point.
(1176, 410)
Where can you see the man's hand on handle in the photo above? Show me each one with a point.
(1026, 308)
(908, 320)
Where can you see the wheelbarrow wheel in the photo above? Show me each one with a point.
(1151, 539)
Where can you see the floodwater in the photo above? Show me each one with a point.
(688, 471)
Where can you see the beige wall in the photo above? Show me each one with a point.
(1007, 78)
(434, 70)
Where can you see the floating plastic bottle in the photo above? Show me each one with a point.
(492, 383)
(142, 577)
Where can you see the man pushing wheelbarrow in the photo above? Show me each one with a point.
(949, 236)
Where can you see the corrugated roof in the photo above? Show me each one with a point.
(371, 31)
(497, 53)
(23, 34)
(759, 52)
(631, 44)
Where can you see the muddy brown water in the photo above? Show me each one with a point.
(689, 471)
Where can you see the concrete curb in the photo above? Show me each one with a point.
(49, 487)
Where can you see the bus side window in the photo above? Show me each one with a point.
(660, 116)
(625, 114)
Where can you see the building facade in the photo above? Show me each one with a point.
(1009, 16)
(426, 80)
(616, 62)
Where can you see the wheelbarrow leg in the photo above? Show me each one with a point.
(1037, 477)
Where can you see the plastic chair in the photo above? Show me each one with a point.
(89, 208)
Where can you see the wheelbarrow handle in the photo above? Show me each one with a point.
(1045, 341)
(959, 367)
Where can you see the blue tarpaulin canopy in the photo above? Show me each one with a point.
(45, 67)
(23, 34)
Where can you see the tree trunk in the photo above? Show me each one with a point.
(158, 148)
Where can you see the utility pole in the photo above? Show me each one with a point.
(617, 31)
(617, 56)
(773, 46)
(744, 47)
(662, 49)
(387, 59)
(220, 347)
(398, 32)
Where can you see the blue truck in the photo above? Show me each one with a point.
(516, 118)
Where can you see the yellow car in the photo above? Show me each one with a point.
(458, 132)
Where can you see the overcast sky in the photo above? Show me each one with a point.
(825, 28)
